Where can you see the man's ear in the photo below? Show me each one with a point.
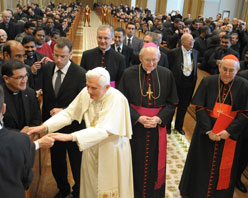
(6, 56)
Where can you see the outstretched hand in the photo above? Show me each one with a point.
(61, 137)
(36, 130)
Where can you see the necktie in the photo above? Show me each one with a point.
(57, 83)
(129, 42)
(119, 49)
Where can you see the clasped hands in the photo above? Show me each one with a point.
(149, 122)
(47, 140)
(217, 137)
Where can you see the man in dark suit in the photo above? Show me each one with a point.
(17, 157)
(104, 55)
(8, 26)
(62, 81)
(183, 64)
(118, 46)
(131, 40)
(23, 109)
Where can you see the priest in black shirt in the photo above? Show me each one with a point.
(151, 92)
(221, 114)
(104, 55)
(23, 108)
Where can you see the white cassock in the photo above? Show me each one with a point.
(106, 170)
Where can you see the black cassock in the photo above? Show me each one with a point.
(134, 80)
(113, 61)
(196, 181)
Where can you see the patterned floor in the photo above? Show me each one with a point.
(177, 149)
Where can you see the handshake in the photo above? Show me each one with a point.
(47, 140)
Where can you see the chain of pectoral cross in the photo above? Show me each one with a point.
(222, 102)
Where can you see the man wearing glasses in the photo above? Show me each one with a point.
(23, 109)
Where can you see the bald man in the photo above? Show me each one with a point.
(183, 64)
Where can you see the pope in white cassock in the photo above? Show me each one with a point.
(106, 170)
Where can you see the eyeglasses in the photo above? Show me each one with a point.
(20, 77)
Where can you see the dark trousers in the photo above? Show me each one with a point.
(59, 165)
(185, 96)
(243, 158)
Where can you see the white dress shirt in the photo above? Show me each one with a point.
(63, 70)
(187, 65)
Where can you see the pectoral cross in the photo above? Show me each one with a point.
(149, 92)
(219, 111)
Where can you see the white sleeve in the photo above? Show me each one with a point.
(89, 137)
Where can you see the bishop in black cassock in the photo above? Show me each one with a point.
(149, 90)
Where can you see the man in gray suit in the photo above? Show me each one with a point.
(131, 40)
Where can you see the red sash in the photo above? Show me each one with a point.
(161, 143)
(224, 119)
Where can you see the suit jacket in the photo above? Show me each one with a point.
(36, 83)
(115, 63)
(11, 30)
(127, 52)
(30, 105)
(72, 84)
(175, 59)
(137, 44)
(17, 158)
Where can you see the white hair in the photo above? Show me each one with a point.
(101, 73)
(156, 50)
(237, 64)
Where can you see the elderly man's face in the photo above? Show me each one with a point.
(3, 36)
(188, 42)
(6, 17)
(95, 90)
(104, 39)
(149, 59)
(228, 70)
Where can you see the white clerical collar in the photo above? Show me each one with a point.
(64, 69)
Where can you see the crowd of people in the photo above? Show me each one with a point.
(155, 78)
